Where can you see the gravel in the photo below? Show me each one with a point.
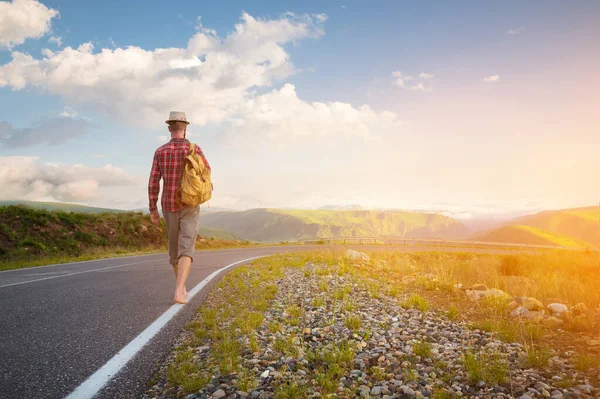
(398, 353)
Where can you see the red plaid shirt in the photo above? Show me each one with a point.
(168, 164)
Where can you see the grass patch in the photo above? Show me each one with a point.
(291, 390)
(453, 313)
(286, 346)
(353, 322)
(331, 364)
(536, 357)
(585, 362)
(417, 302)
(508, 331)
(491, 368)
(422, 349)
(317, 302)
(245, 381)
(342, 293)
(294, 313)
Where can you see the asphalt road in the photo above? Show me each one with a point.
(61, 323)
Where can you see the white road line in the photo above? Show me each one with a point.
(74, 273)
(90, 387)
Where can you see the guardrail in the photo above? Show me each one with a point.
(436, 243)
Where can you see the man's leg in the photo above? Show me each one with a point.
(188, 231)
(172, 226)
(175, 270)
(185, 263)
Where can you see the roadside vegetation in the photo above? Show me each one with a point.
(33, 237)
(327, 324)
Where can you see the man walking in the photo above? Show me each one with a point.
(181, 221)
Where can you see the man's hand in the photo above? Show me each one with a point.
(155, 217)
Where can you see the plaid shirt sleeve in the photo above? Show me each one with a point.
(199, 152)
(154, 184)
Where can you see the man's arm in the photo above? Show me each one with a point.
(154, 187)
(199, 152)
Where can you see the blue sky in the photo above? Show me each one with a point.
(475, 108)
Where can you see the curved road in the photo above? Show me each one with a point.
(60, 324)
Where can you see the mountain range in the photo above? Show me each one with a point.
(292, 225)
(576, 227)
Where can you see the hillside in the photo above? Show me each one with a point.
(291, 225)
(578, 227)
(207, 232)
(580, 223)
(63, 207)
(533, 236)
(27, 233)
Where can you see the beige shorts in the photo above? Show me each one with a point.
(182, 230)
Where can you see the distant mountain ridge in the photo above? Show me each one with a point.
(63, 207)
(576, 227)
(290, 225)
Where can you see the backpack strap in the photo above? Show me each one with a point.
(192, 149)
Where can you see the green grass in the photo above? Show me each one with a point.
(377, 373)
(440, 393)
(410, 374)
(422, 349)
(536, 357)
(331, 363)
(188, 376)
(317, 302)
(453, 313)
(294, 314)
(250, 321)
(417, 302)
(275, 327)
(291, 390)
(286, 346)
(245, 381)
(508, 331)
(353, 322)
(491, 368)
(349, 306)
(342, 293)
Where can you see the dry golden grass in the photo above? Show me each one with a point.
(568, 277)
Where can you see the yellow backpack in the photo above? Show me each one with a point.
(196, 186)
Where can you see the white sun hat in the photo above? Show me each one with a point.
(176, 116)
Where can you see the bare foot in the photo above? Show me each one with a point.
(185, 292)
(180, 300)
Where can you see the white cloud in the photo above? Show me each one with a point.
(514, 32)
(68, 112)
(209, 78)
(162, 139)
(29, 179)
(54, 131)
(98, 156)
(23, 19)
(281, 115)
(424, 83)
(56, 40)
(491, 79)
